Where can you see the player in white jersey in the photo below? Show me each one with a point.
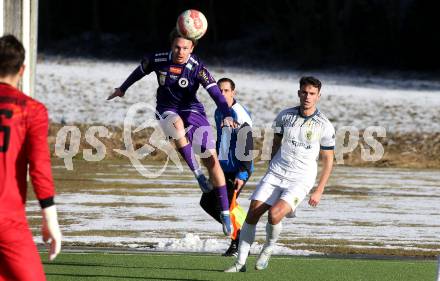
(302, 133)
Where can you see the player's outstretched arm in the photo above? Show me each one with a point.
(116, 93)
(50, 231)
(135, 76)
(327, 165)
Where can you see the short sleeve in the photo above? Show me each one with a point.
(278, 125)
(327, 141)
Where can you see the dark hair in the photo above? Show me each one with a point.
(310, 80)
(225, 79)
(175, 34)
(11, 55)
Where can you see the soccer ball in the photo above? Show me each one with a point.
(192, 24)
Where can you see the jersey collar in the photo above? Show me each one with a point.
(4, 83)
(307, 117)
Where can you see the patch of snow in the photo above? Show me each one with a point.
(76, 91)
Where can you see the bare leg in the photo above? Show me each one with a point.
(256, 210)
(214, 169)
(179, 127)
(173, 126)
(278, 211)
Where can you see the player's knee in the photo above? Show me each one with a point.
(275, 216)
(209, 162)
(177, 122)
(252, 217)
(179, 127)
(274, 221)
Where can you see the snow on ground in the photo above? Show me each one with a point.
(398, 208)
(76, 91)
(367, 207)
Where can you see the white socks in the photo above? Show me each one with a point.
(272, 233)
(247, 237)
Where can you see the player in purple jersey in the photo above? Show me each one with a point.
(179, 74)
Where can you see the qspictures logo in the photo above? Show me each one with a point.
(68, 141)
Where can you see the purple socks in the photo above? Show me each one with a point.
(190, 159)
(221, 192)
(222, 197)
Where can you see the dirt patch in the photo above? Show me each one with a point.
(159, 218)
(406, 150)
(346, 247)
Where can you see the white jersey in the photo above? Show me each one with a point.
(303, 138)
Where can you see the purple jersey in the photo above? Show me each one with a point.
(178, 83)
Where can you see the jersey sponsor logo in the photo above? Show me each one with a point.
(204, 75)
(295, 201)
(189, 66)
(183, 82)
(160, 59)
(174, 77)
(300, 144)
(162, 77)
(175, 70)
(160, 54)
(309, 135)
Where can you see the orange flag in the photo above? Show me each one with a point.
(238, 215)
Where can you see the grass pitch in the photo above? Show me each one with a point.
(162, 266)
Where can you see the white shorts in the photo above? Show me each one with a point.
(270, 193)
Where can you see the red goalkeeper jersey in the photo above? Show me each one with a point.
(23, 142)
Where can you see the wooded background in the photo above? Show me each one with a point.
(389, 34)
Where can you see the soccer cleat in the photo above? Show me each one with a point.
(236, 268)
(226, 223)
(263, 259)
(232, 251)
(204, 184)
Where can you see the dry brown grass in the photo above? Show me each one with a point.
(345, 247)
(408, 150)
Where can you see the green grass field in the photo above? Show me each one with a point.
(155, 266)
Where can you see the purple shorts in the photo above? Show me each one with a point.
(200, 133)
